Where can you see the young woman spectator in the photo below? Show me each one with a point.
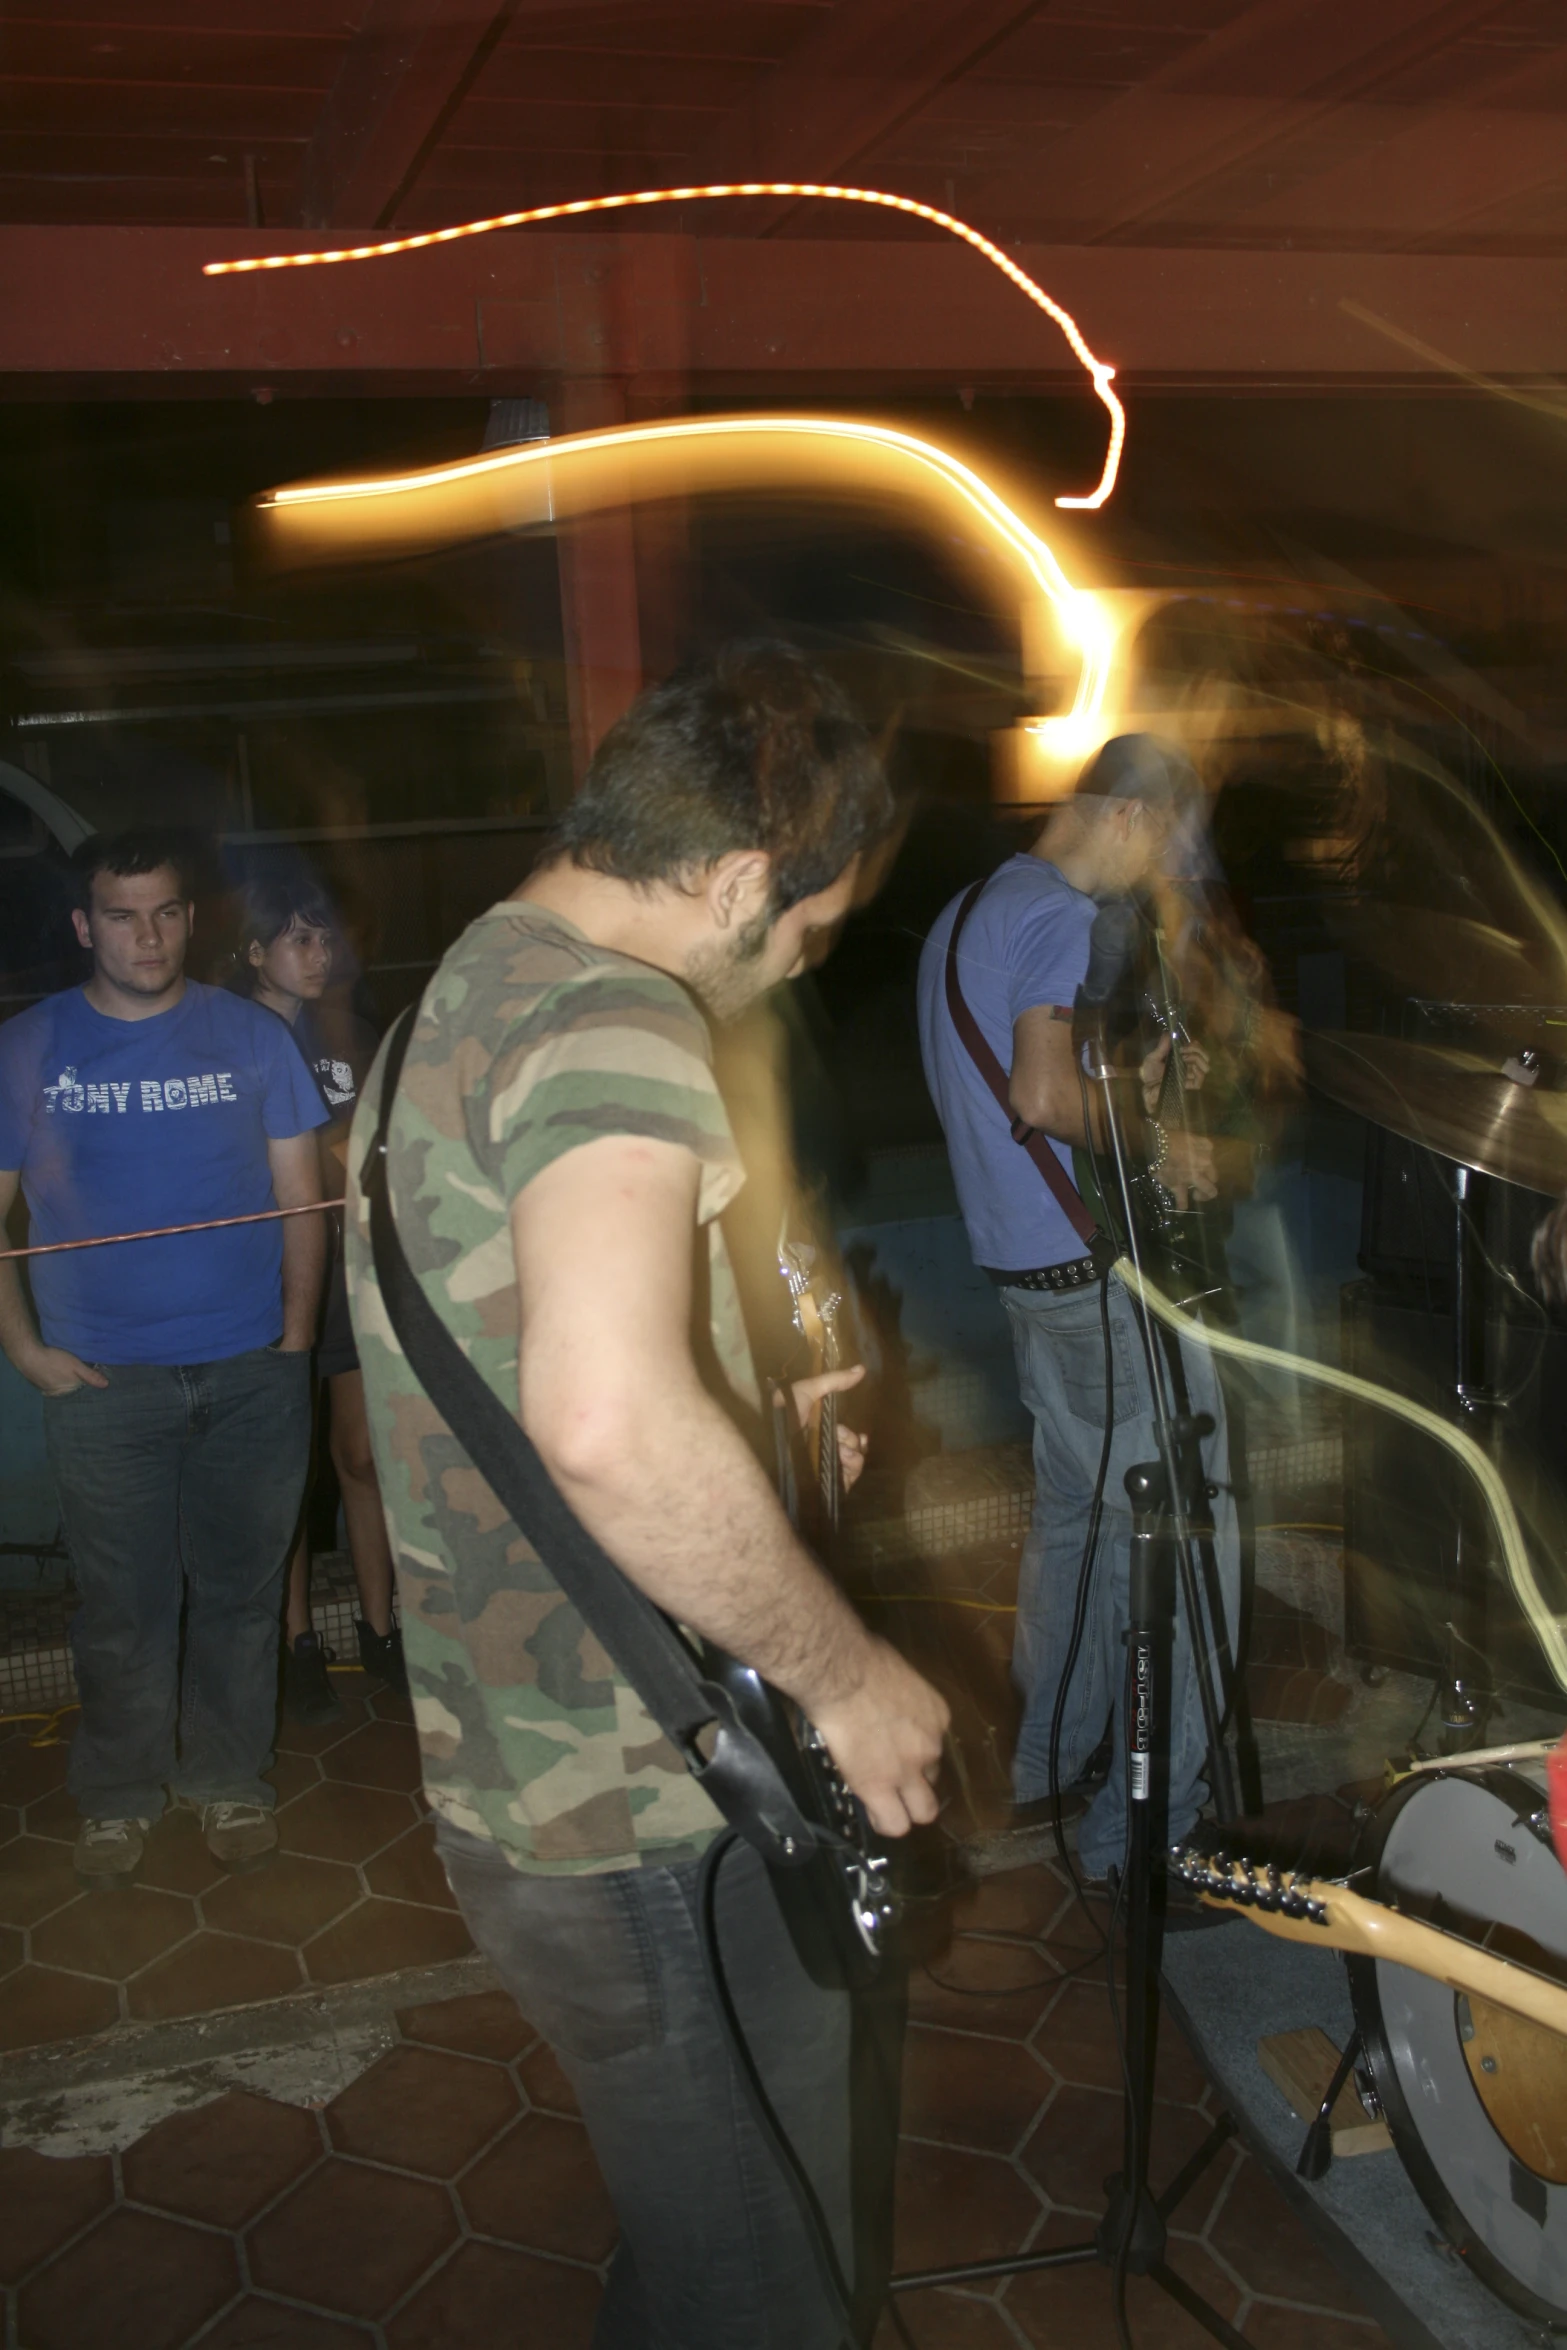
(283, 962)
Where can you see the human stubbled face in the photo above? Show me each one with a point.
(729, 974)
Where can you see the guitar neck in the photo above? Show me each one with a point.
(1306, 1909)
(816, 1319)
(829, 1472)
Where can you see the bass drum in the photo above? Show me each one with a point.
(1475, 2097)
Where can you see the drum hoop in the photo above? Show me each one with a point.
(1498, 1779)
(1366, 2002)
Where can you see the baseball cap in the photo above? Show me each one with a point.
(1139, 767)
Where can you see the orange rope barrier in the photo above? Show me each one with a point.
(1098, 369)
(52, 1248)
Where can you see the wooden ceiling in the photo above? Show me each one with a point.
(1367, 126)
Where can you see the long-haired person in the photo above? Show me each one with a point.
(283, 962)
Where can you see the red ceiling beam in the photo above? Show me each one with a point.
(669, 314)
(401, 75)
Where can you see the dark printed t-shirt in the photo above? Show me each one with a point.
(128, 1125)
(530, 1041)
(335, 1079)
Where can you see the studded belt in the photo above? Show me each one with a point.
(1077, 1273)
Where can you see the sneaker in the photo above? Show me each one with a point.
(108, 1852)
(240, 1835)
(381, 1653)
(308, 1695)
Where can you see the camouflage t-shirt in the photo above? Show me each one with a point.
(530, 1040)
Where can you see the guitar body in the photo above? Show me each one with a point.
(1181, 1248)
(838, 1904)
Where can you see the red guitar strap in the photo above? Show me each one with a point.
(1065, 1192)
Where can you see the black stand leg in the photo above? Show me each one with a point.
(1169, 1505)
(1316, 2152)
(1132, 2236)
(1466, 1696)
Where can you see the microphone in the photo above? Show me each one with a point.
(1110, 945)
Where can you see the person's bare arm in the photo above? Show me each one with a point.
(53, 1369)
(609, 1393)
(295, 1162)
(1047, 1094)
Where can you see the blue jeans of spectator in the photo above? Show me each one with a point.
(179, 1490)
(713, 2252)
(1058, 1341)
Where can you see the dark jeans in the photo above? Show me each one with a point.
(179, 1483)
(713, 2253)
(1058, 1341)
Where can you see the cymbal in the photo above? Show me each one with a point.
(1453, 1103)
(1447, 958)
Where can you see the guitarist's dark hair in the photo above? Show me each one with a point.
(754, 748)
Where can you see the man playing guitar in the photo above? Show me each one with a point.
(1024, 952)
(557, 1160)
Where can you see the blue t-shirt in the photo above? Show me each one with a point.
(123, 1125)
(1026, 944)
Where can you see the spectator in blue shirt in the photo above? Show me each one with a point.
(175, 1372)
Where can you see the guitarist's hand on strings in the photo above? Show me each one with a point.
(852, 1443)
(1186, 1165)
(885, 1735)
(1194, 1066)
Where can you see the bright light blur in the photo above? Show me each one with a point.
(542, 484)
(1099, 371)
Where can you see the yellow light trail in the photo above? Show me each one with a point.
(545, 483)
(1098, 369)
(1549, 1627)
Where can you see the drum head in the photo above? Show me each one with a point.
(1474, 2106)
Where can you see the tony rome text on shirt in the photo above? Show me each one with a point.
(173, 1093)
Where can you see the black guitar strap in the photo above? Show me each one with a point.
(640, 1641)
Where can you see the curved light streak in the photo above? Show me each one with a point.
(1098, 369)
(1547, 1626)
(543, 483)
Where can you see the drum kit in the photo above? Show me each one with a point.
(1454, 1917)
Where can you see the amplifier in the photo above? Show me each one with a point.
(1401, 1491)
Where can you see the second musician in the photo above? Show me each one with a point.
(1023, 954)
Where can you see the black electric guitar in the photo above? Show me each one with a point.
(1187, 1238)
(1177, 1243)
(840, 1906)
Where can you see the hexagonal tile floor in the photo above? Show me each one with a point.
(451, 2187)
(355, 1891)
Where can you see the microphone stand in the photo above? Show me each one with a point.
(1132, 2236)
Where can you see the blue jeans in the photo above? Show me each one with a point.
(1059, 1344)
(179, 1484)
(712, 2252)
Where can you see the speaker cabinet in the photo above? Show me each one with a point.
(1402, 1491)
